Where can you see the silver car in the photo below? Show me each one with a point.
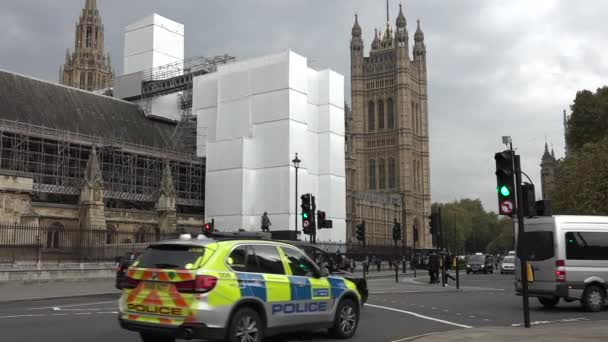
(569, 259)
(508, 265)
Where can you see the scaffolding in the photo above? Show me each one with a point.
(178, 76)
(56, 160)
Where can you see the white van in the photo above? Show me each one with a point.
(569, 258)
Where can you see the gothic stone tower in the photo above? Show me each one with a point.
(88, 67)
(548, 170)
(389, 155)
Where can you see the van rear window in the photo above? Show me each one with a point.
(587, 245)
(170, 256)
(538, 246)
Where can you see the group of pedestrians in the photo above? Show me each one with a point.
(435, 264)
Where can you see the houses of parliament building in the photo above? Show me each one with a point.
(387, 136)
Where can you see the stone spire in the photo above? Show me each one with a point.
(356, 31)
(419, 35)
(92, 174)
(419, 47)
(165, 206)
(92, 208)
(166, 186)
(401, 22)
(376, 39)
(87, 67)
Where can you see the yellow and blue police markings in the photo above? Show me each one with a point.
(292, 294)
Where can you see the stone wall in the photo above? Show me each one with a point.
(15, 196)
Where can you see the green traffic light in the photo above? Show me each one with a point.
(504, 190)
(305, 215)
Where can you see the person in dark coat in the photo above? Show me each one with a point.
(434, 268)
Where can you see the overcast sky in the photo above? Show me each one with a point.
(495, 67)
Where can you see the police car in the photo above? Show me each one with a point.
(233, 288)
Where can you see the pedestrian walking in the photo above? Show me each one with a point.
(448, 262)
(378, 264)
(434, 268)
(266, 222)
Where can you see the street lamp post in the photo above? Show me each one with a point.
(296, 164)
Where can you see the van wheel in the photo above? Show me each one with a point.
(346, 320)
(151, 337)
(246, 325)
(593, 298)
(548, 302)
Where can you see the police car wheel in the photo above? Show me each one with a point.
(152, 337)
(246, 326)
(346, 320)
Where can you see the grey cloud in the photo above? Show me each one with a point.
(495, 68)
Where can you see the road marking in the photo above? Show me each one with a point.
(73, 305)
(419, 316)
(415, 337)
(17, 316)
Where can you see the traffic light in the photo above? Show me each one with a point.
(529, 199)
(434, 228)
(361, 231)
(307, 212)
(321, 223)
(505, 182)
(397, 231)
(208, 228)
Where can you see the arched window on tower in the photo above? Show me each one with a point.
(380, 114)
(371, 117)
(391, 173)
(382, 172)
(415, 180)
(413, 117)
(90, 81)
(372, 174)
(418, 118)
(89, 37)
(81, 80)
(390, 109)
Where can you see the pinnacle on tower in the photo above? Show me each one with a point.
(166, 187)
(356, 31)
(418, 36)
(401, 22)
(92, 172)
(90, 5)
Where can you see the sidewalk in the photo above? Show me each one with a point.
(561, 332)
(55, 290)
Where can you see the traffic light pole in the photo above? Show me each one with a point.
(396, 262)
(520, 246)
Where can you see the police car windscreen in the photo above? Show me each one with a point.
(170, 256)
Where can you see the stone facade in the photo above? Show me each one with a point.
(89, 67)
(387, 135)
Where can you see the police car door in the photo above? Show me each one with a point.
(311, 293)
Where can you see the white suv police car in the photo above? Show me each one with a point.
(233, 289)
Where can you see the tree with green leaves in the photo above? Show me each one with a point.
(581, 186)
(468, 228)
(582, 182)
